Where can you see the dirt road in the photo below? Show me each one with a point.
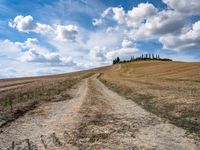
(96, 118)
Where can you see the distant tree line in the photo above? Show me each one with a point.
(116, 61)
(143, 57)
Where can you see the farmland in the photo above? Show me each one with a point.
(137, 105)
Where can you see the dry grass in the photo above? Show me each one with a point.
(17, 96)
(15, 102)
(168, 89)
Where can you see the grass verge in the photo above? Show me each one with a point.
(15, 103)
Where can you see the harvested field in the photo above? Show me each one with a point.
(118, 107)
(167, 89)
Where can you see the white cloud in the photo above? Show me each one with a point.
(127, 44)
(116, 13)
(163, 23)
(123, 52)
(97, 53)
(189, 39)
(8, 48)
(119, 30)
(127, 50)
(66, 33)
(27, 24)
(139, 14)
(146, 21)
(113, 29)
(29, 43)
(24, 24)
(31, 51)
(43, 28)
(103, 55)
(91, 47)
(190, 7)
(193, 33)
(103, 39)
(119, 14)
(53, 59)
(29, 58)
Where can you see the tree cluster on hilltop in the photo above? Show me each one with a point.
(143, 57)
(116, 61)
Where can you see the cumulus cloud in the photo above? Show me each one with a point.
(43, 28)
(146, 21)
(31, 51)
(66, 33)
(107, 14)
(155, 24)
(119, 14)
(98, 53)
(106, 54)
(103, 39)
(127, 50)
(29, 43)
(191, 7)
(163, 23)
(169, 25)
(53, 59)
(139, 14)
(24, 24)
(189, 39)
(112, 29)
(9, 48)
(27, 24)
(127, 43)
(123, 52)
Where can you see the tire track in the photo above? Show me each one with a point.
(40, 128)
(95, 119)
(111, 122)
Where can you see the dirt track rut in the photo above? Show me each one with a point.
(96, 118)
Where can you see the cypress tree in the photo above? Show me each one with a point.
(146, 56)
(118, 60)
(152, 56)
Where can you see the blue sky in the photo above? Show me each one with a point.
(42, 37)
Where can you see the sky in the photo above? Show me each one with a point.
(42, 37)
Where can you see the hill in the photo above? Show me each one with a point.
(19, 95)
(136, 105)
(168, 89)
